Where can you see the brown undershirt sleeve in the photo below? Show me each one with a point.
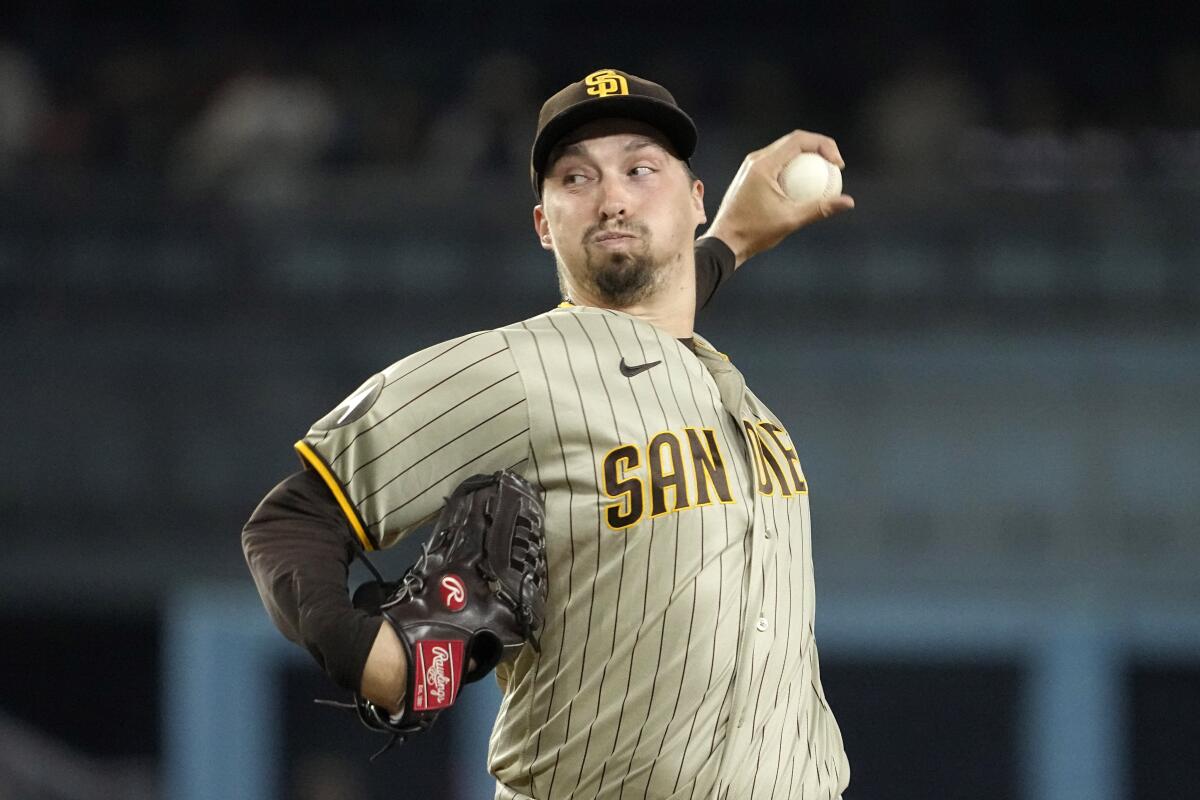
(715, 262)
(299, 546)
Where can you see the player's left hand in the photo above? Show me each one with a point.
(755, 213)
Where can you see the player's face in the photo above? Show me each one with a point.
(619, 211)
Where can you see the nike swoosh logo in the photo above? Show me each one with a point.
(629, 371)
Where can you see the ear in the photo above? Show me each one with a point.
(541, 227)
(698, 202)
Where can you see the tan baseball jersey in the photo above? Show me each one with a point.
(678, 658)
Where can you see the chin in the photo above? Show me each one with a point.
(624, 279)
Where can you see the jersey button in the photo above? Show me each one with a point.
(762, 624)
(767, 533)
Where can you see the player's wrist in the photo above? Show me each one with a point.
(385, 674)
(340, 637)
(739, 244)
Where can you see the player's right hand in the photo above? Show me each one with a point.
(755, 213)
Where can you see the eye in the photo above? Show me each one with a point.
(573, 179)
(642, 169)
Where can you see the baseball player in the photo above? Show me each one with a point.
(677, 657)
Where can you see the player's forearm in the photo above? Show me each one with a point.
(744, 224)
(385, 675)
(714, 265)
(298, 549)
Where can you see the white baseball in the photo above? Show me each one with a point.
(809, 177)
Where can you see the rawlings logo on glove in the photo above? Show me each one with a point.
(454, 592)
(439, 669)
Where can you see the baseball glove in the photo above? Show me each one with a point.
(475, 596)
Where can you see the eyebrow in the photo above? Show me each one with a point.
(572, 149)
(577, 148)
(640, 142)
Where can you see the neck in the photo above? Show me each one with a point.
(671, 318)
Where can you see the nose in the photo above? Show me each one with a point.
(614, 200)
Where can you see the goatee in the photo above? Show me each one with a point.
(623, 278)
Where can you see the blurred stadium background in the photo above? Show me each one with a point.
(216, 219)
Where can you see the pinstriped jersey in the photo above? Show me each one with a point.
(678, 657)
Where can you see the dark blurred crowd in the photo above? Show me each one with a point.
(255, 116)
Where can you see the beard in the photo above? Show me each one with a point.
(622, 278)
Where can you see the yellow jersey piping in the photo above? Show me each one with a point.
(313, 460)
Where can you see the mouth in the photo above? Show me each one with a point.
(609, 238)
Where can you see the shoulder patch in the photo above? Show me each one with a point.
(354, 406)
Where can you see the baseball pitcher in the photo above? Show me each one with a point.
(622, 524)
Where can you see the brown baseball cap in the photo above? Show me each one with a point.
(603, 94)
